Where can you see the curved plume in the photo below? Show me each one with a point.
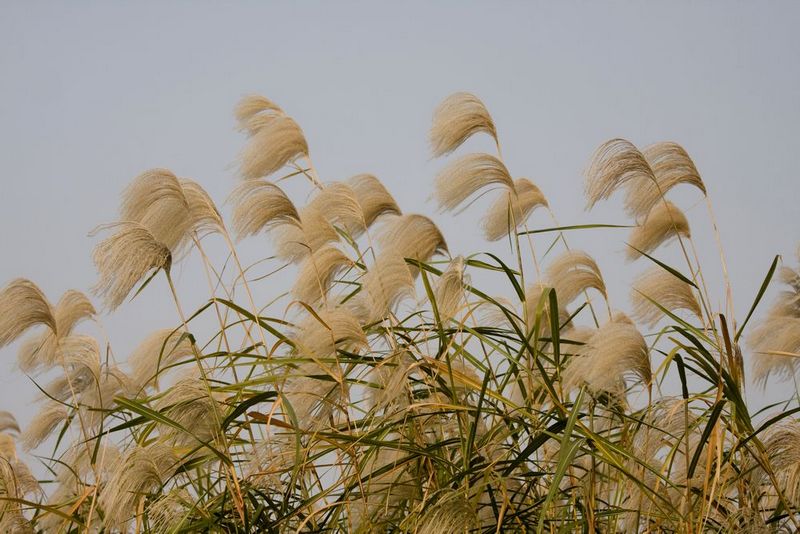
(80, 357)
(671, 166)
(275, 143)
(468, 175)
(23, 305)
(412, 236)
(203, 213)
(533, 297)
(450, 289)
(512, 209)
(8, 422)
(373, 197)
(667, 290)
(260, 205)
(320, 336)
(456, 119)
(188, 403)
(340, 205)
(43, 424)
(613, 352)
(382, 287)
(572, 273)
(664, 222)
(295, 242)
(124, 259)
(317, 273)
(253, 111)
(96, 401)
(615, 163)
(155, 200)
(156, 352)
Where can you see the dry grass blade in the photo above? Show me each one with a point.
(373, 197)
(572, 273)
(22, 306)
(456, 119)
(276, 143)
(615, 163)
(667, 290)
(260, 205)
(664, 222)
(512, 209)
(466, 176)
(412, 236)
(124, 259)
(317, 273)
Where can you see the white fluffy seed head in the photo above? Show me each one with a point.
(664, 222)
(456, 119)
(614, 164)
(466, 176)
(512, 209)
(669, 291)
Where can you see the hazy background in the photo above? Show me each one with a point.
(91, 94)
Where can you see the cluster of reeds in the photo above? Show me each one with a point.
(387, 392)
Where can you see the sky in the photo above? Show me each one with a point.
(94, 93)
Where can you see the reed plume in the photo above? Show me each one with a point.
(273, 144)
(456, 119)
(512, 209)
(22, 306)
(383, 287)
(449, 292)
(572, 273)
(203, 213)
(157, 352)
(373, 197)
(339, 202)
(51, 415)
(667, 290)
(412, 236)
(466, 176)
(296, 242)
(124, 259)
(260, 205)
(664, 222)
(614, 164)
(8, 422)
(253, 111)
(189, 404)
(317, 274)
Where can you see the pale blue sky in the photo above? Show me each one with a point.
(92, 93)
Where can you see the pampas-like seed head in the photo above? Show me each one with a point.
(124, 259)
(534, 294)
(456, 119)
(615, 163)
(141, 471)
(450, 289)
(156, 352)
(23, 305)
(322, 335)
(512, 209)
(412, 236)
(8, 422)
(373, 197)
(382, 288)
(667, 290)
(340, 205)
(155, 199)
(168, 512)
(572, 273)
(468, 175)
(664, 222)
(296, 242)
(317, 273)
(203, 213)
(671, 166)
(614, 351)
(275, 143)
(260, 205)
(43, 424)
(253, 111)
(189, 404)
(95, 402)
(80, 357)
(775, 343)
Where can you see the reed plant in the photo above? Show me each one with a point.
(384, 390)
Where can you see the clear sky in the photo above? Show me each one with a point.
(93, 93)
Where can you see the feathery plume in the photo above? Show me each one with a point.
(512, 209)
(468, 175)
(667, 290)
(168, 512)
(124, 259)
(253, 111)
(391, 378)
(389, 485)
(23, 305)
(412, 236)
(450, 289)
(663, 222)
(572, 273)
(373, 197)
(156, 352)
(451, 513)
(141, 471)
(615, 163)
(274, 143)
(80, 356)
(321, 335)
(189, 404)
(95, 402)
(317, 273)
(8, 422)
(782, 446)
(534, 294)
(260, 205)
(456, 119)
(43, 424)
(203, 213)
(340, 205)
(671, 166)
(382, 288)
(295, 242)
(776, 346)
(614, 351)
(155, 200)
